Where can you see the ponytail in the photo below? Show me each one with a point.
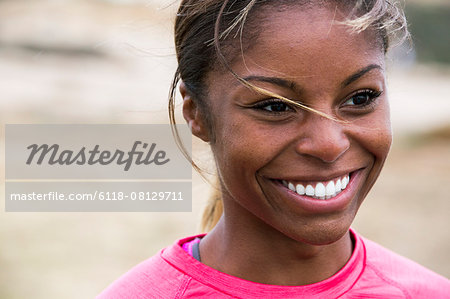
(213, 210)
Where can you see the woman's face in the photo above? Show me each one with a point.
(284, 165)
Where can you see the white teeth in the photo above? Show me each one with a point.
(323, 190)
(345, 182)
(300, 189)
(320, 190)
(330, 189)
(309, 190)
(338, 185)
(291, 187)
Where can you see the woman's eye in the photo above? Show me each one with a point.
(277, 107)
(362, 98)
(273, 106)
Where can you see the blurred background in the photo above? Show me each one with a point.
(100, 61)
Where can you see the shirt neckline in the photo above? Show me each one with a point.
(333, 287)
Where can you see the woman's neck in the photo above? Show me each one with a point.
(262, 254)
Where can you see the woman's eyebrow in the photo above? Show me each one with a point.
(277, 81)
(352, 78)
(295, 87)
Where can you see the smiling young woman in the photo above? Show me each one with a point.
(291, 96)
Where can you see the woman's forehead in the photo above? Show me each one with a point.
(300, 23)
(307, 43)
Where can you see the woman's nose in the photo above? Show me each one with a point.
(323, 139)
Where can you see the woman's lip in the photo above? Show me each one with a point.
(337, 203)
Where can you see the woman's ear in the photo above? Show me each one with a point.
(193, 115)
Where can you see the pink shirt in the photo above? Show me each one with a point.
(371, 272)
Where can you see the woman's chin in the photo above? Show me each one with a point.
(320, 234)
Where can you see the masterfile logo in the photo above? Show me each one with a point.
(101, 168)
(53, 155)
(95, 152)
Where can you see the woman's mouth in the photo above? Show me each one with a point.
(321, 194)
(319, 189)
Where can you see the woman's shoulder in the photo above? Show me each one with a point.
(400, 273)
(155, 277)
